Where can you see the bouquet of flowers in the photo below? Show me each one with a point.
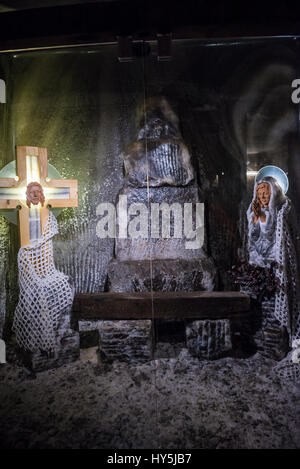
(261, 282)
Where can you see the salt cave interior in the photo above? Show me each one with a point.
(149, 355)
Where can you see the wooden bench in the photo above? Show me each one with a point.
(160, 305)
(124, 321)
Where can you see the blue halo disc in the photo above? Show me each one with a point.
(275, 173)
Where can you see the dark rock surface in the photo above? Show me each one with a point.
(66, 349)
(158, 246)
(271, 338)
(158, 162)
(208, 339)
(159, 156)
(275, 337)
(167, 275)
(174, 403)
(129, 341)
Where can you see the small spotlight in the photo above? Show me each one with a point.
(164, 45)
(125, 53)
(48, 179)
(16, 178)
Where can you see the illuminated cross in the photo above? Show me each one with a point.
(32, 166)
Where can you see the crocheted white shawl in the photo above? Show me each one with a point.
(44, 293)
(287, 298)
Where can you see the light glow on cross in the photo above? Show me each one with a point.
(32, 169)
(32, 166)
(32, 175)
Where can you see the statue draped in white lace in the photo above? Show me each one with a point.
(45, 293)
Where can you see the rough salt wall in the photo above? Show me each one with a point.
(7, 257)
(234, 103)
(264, 118)
(78, 105)
(82, 105)
(3, 269)
(3, 224)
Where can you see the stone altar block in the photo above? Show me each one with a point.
(66, 350)
(129, 341)
(208, 339)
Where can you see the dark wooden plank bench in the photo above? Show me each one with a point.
(162, 305)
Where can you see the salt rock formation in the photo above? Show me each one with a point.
(159, 156)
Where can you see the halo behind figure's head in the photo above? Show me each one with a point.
(275, 173)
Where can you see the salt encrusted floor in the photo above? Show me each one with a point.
(168, 403)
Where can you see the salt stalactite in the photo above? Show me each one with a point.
(86, 258)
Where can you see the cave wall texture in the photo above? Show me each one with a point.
(234, 104)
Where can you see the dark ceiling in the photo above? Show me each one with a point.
(13, 5)
(51, 23)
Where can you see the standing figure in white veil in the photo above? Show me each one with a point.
(270, 240)
(268, 200)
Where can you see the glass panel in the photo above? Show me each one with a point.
(79, 104)
(165, 154)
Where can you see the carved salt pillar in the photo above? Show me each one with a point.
(158, 170)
